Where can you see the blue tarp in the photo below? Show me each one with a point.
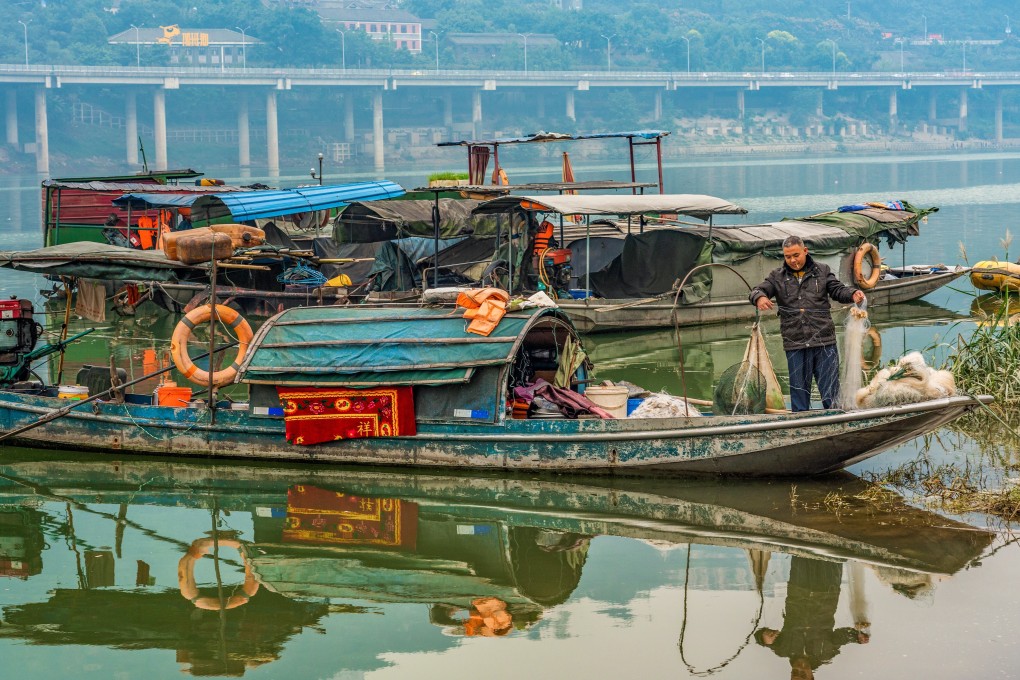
(148, 201)
(249, 205)
(360, 346)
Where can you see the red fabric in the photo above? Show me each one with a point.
(319, 516)
(313, 415)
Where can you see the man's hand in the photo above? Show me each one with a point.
(763, 303)
(858, 296)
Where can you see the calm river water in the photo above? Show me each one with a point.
(107, 565)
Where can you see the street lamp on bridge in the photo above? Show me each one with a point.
(244, 47)
(138, 50)
(688, 41)
(25, 26)
(343, 50)
(525, 36)
(609, 51)
(762, 54)
(435, 38)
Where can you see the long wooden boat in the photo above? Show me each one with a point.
(628, 263)
(460, 384)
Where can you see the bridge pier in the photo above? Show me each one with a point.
(159, 127)
(378, 134)
(349, 117)
(571, 115)
(657, 112)
(894, 116)
(131, 128)
(42, 133)
(243, 137)
(448, 110)
(963, 110)
(998, 115)
(932, 106)
(272, 136)
(476, 113)
(740, 106)
(12, 117)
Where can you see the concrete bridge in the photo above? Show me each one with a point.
(270, 83)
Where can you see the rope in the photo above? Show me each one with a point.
(303, 275)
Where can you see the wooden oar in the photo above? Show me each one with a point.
(63, 411)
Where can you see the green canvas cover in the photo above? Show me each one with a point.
(364, 346)
(366, 222)
(875, 220)
(90, 260)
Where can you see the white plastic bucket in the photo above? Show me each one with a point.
(72, 392)
(611, 398)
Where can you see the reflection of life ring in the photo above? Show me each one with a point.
(186, 576)
(872, 358)
(870, 251)
(179, 344)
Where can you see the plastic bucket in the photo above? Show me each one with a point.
(611, 398)
(171, 395)
(579, 294)
(72, 392)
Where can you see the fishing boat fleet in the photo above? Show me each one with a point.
(439, 331)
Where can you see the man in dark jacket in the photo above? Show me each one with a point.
(802, 288)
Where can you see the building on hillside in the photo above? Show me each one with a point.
(189, 46)
(401, 28)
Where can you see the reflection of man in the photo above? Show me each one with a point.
(809, 637)
(802, 288)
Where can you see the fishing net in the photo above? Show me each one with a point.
(741, 390)
(757, 355)
(857, 326)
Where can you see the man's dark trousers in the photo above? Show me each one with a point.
(820, 363)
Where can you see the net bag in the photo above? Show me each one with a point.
(742, 390)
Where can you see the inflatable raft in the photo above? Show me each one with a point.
(994, 275)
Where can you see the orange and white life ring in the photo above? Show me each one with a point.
(186, 576)
(179, 344)
(870, 251)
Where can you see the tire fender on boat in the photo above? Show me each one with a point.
(186, 576)
(182, 333)
(871, 359)
(870, 251)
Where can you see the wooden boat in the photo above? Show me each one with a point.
(628, 267)
(459, 384)
(997, 276)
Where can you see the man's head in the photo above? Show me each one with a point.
(795, 253)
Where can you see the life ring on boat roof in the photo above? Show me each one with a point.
(870, 251)
(186, 576)
(179, 344)
(871, 359)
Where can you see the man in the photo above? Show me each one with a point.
(802, 288)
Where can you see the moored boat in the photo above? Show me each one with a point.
(410, 386)
(996, 276)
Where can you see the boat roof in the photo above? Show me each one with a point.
(558, 137)
(691, 205)
(561, 187)
(147, 201)
(98, 261)
(365, 346)
(250, 205)
(370, 221)
(152, 175)
(141, 187)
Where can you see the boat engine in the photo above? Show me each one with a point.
(554, 271)
(19, 334)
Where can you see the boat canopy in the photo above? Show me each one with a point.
(150, 201)
(371, 346)
(250, 205)
(692, 205)
(99, 261)
(372, 221)
(560, 137)
(53, 185)
(893, 220)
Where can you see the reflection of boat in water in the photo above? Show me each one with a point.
(365, 544)
(996, 308)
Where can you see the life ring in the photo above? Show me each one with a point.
(186, 576)
(872, 358)
(179, 344)
(870, 251)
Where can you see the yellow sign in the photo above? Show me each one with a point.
(195, 39)
(169, 33)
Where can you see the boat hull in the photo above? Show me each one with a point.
(799, 444)
(596, 315)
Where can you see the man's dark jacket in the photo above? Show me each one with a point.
(805, 319)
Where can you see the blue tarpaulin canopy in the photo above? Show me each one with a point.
(249, 205)
(365, 346)
(149, 201)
